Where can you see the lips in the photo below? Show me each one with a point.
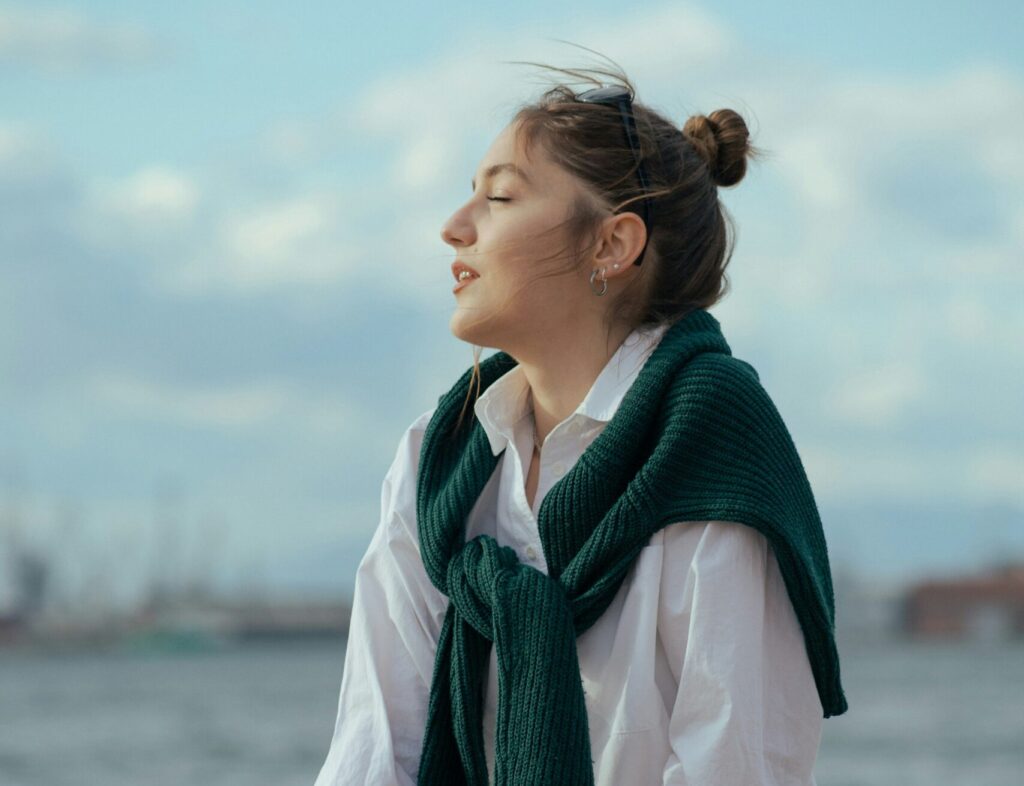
(458, 267)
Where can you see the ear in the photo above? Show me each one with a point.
(619, 243)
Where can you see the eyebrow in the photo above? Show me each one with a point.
(491, 171)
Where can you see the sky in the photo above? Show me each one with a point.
(225, 296)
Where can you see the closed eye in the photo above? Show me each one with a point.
(499, 199)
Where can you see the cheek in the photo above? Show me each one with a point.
(532, 237)
(530, 217)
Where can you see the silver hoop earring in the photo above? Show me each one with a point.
(603, 281)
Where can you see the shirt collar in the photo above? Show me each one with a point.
(506, 401)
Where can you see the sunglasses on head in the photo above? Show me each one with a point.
(622, 99)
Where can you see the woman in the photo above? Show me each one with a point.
(599, 560)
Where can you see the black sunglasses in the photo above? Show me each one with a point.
(621, 98)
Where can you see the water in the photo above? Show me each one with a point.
(927, 713)
(252, 716)
(920, 714)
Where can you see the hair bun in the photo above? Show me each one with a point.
(722, 140)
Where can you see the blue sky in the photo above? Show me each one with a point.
(225, 295)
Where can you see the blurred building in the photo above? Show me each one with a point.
(866, 608)
(989, 605)
(23, 593)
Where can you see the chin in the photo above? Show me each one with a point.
(465, 326)
(462, 326)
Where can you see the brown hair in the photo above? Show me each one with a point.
(692, 233)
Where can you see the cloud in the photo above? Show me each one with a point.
(62, 41)
(879, 396)
(423, 163)
(155, 193)
(272, 232)
(674, 39)
(298, 242)
(980, 473)
(996, 472)
(239, 406)
(878, 152)
(192, 237)
(20, 148)
(225, 407)
(33, 173)
(148, 209)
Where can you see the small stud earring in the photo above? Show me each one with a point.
(615, 265)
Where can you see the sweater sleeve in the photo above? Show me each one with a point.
(389, 656)
(747, 711)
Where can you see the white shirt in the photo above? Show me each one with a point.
(696, 673)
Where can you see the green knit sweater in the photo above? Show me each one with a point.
(695, 438)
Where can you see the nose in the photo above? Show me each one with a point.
(458, 229)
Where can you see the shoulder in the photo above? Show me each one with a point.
(406, 459)
(721, 383)
(715, 566)
(721, 371)
(419, 425)
(714, 544)
(411, 440)
(399, 492)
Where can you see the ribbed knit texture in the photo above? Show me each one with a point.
(695, 438)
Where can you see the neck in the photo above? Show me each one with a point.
(560, 378)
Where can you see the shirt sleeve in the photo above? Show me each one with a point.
(747, 710)
(392, 640)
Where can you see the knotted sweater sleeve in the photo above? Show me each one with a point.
(747, 710)
(389, 656)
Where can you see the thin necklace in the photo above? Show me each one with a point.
(533, 418)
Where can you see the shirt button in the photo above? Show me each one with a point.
(558, 468)
(531, 552)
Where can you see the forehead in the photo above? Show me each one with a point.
(508, 157)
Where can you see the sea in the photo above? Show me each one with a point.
(920, 714)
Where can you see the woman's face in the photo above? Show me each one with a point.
(508, 243)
